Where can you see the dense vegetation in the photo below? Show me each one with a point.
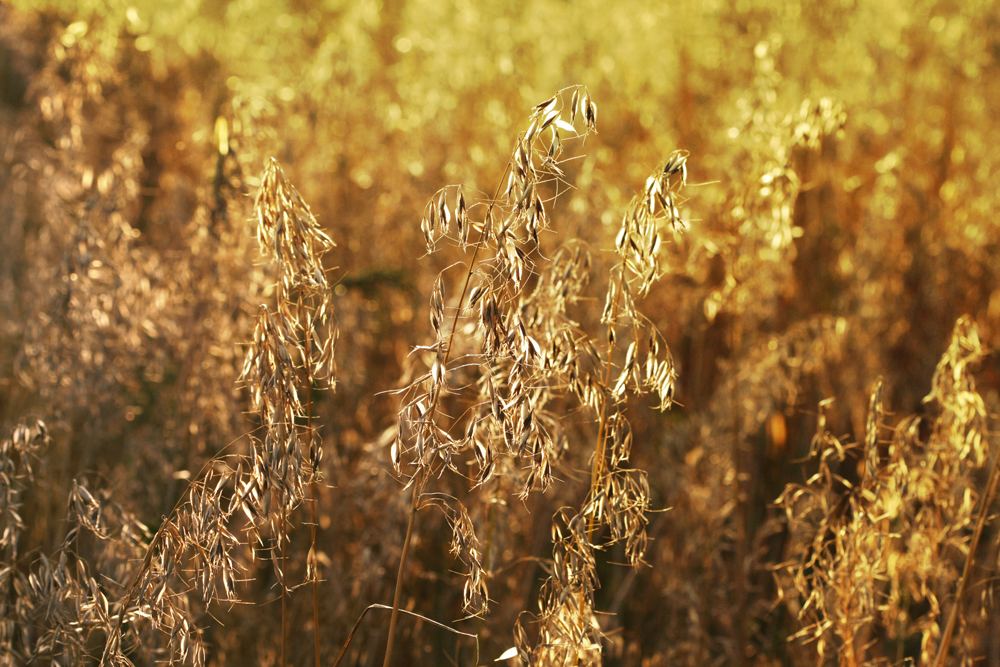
(574, 333)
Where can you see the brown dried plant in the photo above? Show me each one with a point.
(302, 325)
(510, 356)
(868, 554)
(525, 354)
(195, 548)
(618, 497)
(830, 241)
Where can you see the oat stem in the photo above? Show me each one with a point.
(419, 481)
(741, 518)
(284, 588)
(984, 509)
(849, 658)
(598, 467)
(414, 506)
(312, 486)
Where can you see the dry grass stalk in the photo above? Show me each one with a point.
(194, 548)
(830, 254)
(303, 325)
(513, 362)
(529, 352)
(618, 496)
(865, 550)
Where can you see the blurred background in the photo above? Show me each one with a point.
(843, 179)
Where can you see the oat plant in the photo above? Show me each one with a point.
(883, 550)
(618, 496)
(197, 548)
(293, 348)
(496, 359)
(510, 367)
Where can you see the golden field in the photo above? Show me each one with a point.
(430, 333)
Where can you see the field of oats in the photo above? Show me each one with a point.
(439, 332)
